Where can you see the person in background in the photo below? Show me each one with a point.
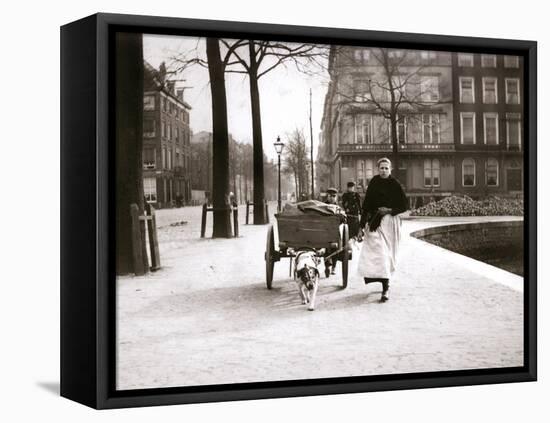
(384, 201)
(332, 200)
(351, 202)
(232, 199)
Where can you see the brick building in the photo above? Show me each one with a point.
(166, 141)
(439, 153)
(488, 105)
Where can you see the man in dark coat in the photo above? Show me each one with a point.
(351, 202)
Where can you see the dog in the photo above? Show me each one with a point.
(306, 275)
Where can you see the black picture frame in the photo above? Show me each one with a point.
(87, 274)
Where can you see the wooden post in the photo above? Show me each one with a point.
(153, 240)
(137, 250)
(247, 211)
(236, 222)
(143, 233)
(203, 221)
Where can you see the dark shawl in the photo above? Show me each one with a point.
(382, 193)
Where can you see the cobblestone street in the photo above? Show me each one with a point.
(206, 317)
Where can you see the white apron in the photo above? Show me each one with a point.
(378, 258)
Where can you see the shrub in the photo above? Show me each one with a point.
(465, 206)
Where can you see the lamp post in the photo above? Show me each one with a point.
(279, 149)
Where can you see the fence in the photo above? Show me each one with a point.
(142, 224)
(206, 209)
(249, 204)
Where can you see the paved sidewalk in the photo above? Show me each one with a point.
(207, 317)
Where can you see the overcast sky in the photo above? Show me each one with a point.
(284, 95)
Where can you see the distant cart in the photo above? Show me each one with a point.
(327, 236)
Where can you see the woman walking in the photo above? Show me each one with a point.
(383, 202)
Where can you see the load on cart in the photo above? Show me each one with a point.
(309, 226)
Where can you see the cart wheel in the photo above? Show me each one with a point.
(345, 256)
(269, 257)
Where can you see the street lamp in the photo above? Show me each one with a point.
(279, 149)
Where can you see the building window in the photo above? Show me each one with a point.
(361, 173)
(164, 104)
(361, 55)
(395, 54)
(363, 129)
(431, 129)
(468, 173)
(149, 158)
(345, 161)
(149, 129)
(511, 61)
(512, 91)
(490, 128)
(169, 133)
(429, 88)
(169, 159)
(365, 172)
(465, 60)
(401, 129)
(514, 176)
(361, 91)
(467, 128)
(466, 85)
(148, 102)
(491, 172)
(490, 95)
(150, 189)
(488, 61)
(428, 55)
(164, 157)
(513, 130)
(369, 170)
(431, 173)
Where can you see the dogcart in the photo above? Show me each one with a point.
(327, 236)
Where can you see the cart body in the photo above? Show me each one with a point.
(308, 231)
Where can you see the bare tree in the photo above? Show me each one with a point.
(393, 92)
(129, 142)
(263, 57)
(296, 161)
(256, 59)
(220, 146)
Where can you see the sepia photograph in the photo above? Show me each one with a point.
(292, 211)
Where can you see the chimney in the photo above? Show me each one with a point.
(162, 72)
(170, 86)
(180, 94)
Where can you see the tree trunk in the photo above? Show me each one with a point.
(245, 185)
(220, 144)
(394, 142)
(240, 188)
(235, 179)
(259, 211)
(129, 142)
